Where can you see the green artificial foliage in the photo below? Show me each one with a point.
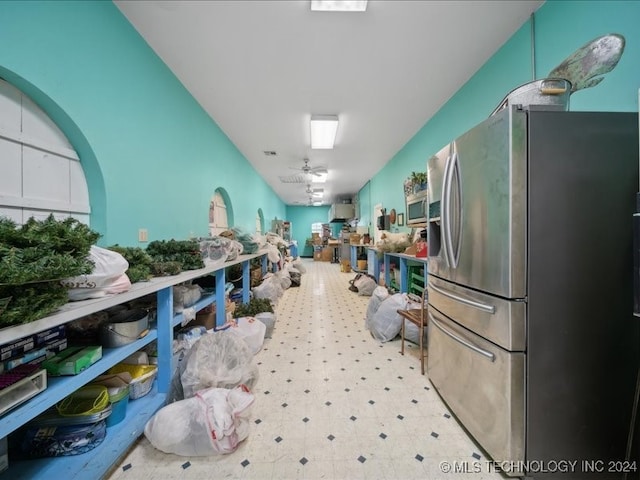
(254, 307)
(160, 269)
(34, 258)
(185, 252)
(139, 262)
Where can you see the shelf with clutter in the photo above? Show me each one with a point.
(45, 344)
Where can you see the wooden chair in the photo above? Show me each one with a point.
(417, 316)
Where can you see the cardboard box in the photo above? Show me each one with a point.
(317, 255)
(73, 360)
(49, 335)
(327, 254)
(354, 239)
(205, 317)
(17, 348)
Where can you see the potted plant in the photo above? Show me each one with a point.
(419, 181)
(415, 182)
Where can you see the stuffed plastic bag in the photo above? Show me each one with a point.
(212, 422)
(269, 320)
(220, 359)
(108, 266)
(285, 279)
(298, 265)
(386, 322)
(412, 333)
(270, 288)
(366, 284)
(377, 297)
(185, 296)
(117, 285)
(107, 277)
(250, 330)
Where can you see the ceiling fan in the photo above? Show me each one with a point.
(314, 192)
(308, 170)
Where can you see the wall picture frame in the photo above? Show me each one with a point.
(400, 219)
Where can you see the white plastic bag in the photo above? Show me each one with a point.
(377, 297)
(297, 264)
(269, 320)
(220, 359)
(185, 296)
(116, 285)
(386, 322)
(107, 276)
(214, 421)
(251, 331)
(412, 333)
(365, 285)
(270, 288)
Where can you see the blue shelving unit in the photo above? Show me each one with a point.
(97, 462)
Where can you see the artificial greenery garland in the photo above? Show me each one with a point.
(33, 258)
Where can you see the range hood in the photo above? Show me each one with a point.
(341, 212)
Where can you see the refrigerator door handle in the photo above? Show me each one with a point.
(454, 172)
(467, 301)
(446, 198)
(461, 340)
(444, 214)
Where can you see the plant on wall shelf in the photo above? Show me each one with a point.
(417, 181)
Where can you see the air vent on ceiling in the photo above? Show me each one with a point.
(293, 179)
(270, 153)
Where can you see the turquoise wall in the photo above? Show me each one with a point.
(561, 27)
(137, 129)
(151, 155)
(301, 219)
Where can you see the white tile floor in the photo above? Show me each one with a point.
(331, 403)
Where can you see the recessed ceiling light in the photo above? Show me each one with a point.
(339, 6)
(270, 153)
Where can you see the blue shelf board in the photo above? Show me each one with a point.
(96, 463)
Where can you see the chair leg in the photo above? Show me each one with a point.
(421, 331)
(402, 338)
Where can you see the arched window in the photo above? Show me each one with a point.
(40, 172)
(218, 222)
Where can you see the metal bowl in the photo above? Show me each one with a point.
(124, 328)
(551, 92)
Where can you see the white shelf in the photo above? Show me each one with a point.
(74, 310)
(97, 462)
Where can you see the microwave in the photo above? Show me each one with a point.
(417, 205)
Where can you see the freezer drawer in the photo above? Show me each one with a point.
(482, 384)
(496, 319)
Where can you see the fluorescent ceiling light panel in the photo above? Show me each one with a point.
(323, 131)
(339, 6)
(317, 204)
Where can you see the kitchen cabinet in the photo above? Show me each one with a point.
(97, 462)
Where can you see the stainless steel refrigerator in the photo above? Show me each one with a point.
(532, 341)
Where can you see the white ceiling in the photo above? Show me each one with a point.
(261, 68)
